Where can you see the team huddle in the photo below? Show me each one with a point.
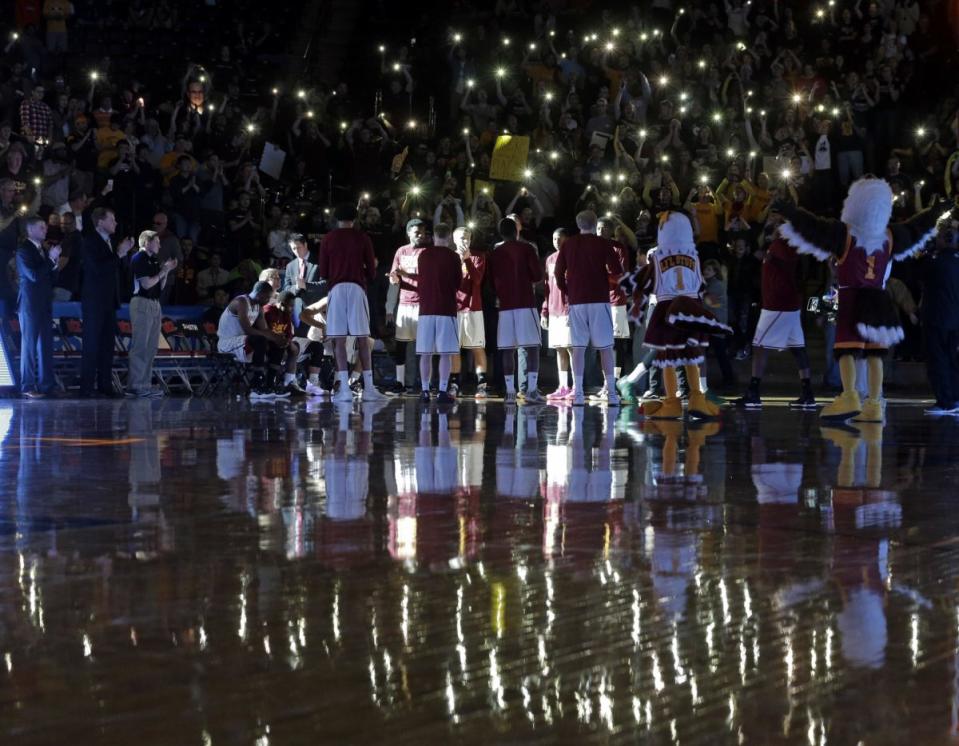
(589, 280)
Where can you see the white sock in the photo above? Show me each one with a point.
(637, 373)
(288, 378)
(367, 380)
(401, 374)
(315, 379)
(578, 383)
(444, 383)
(704, 387)
(563, 379)
(343, 377)
(510, 384)
(532, 378)
(617, 371)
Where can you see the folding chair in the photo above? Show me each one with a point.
(71, 335)
(124, 335)
(224, 371)
(181, 355)
(67, 349)
(225, 374)
(122, 340)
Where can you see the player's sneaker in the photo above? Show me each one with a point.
(534, 397)
(313, 389)
(751, 400)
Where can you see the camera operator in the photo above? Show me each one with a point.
(940, 319)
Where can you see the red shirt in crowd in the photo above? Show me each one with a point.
(406, 259)
(616, 296)
(514, 267)
(279, 321)
(555, 303)
(346, 255)
(440, 273)
(470, 295)
(780, 278)
(583, 268)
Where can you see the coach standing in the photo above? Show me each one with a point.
(99, 301)
(149, 280)
(38, 271)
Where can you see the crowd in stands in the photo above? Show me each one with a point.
(170, 114)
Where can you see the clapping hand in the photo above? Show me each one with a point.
(54, 253)
(125, 245)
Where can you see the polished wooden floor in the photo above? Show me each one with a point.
(216, 572)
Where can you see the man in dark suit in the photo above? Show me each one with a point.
(13, 214)
(37, 270)
(302, 276)
(99, 301)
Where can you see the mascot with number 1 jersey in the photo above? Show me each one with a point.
(863, 245)
(680, 325)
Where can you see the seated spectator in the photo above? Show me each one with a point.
(185, 292)
(244, 230)
(244, 273)
(221, 299)
(67, 284)
(279, 242)
(76, 205)
(16, 168)
(212, 277)
(55, 174)
(108, 137)
(213, 186)
(82, 144)
(186, 196)
(273, 276)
